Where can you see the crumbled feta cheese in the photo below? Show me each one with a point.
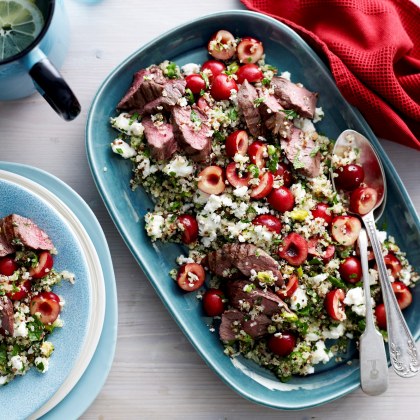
(178, 167)
(319, 114)
(334, 332)
(356, 299)
(320, 354)
(42, 364)
(240, 191)
(123, 149)
(299, 299)
(190, 68)
(17, 364)
(154, 225)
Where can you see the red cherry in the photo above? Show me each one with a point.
(195, 83)
(349, 177)
(333, 303)
(24, 288)
(291, 287)
(392, 263)
(363, 200)
(233, 177)
(250, 72)
(249, 50)
(211, 180)
(191, 277)
(402, 293)
(321, 210)
(282, 344)
(257, 152)
(45, 264)
(7, 266)
(264, 187)
(47, 304)
(294, 249)
(270, 222)
(222, 87)
(318, 250)
(345, 229)
(281, 199)
(222, 45)
(283, 172)
(380, 315)
(237, 142)
(213, 302)
(189, 228)
(213, 68)
(351, 270)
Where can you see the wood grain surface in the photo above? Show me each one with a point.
(156, 373)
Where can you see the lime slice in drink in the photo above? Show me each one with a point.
(20, 23)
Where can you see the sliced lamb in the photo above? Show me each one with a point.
(5, 246)
(273, 116)
(160, 138)
(192, 132)
(269, 302)
(298, 149)
(169, 97)
(134, 98)
(234, 321)
(22, 231)
(243, 257)
(247, 102)
(6, 315)
(292, 96)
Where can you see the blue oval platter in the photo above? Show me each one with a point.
(287, 51)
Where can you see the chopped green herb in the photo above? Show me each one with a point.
(266, 81)
(133, 118)
(258, 101)
(119, 150)
(232, 68)
(233, 114)
(195, 118)
(205, 78)
(337, 282)
(297, 164)
(218, 136)
(290, 113)
(254, 170)
(35, 329)
(190, 96)
(314, 152)
(171, 70)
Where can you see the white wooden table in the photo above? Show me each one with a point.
(156, 373)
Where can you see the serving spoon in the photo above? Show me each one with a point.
(403, 353)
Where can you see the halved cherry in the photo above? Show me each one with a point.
(402, 293)
(212, 68)
(189, 228)
(351, 270)
(250, 72)
(281, 199)
(283, 172)
(45, 264)
(363, 200)
(8, 266)
(237, 142)
(234, 178)
(249, 50)
(222, 45)
(22, 289)
(211, 180)
(195, 83)
(392, 263)
(264, 187)
(345, 229)
(191, 276)
(294, 249)
(380, 315)
(317, 250)
(269, 221)
(322, 211)
(257, 152)
(349, 177)
(213, 304)
(47, 305)
(222, 87)
(333, 303)
(282, 343)
(292, 284)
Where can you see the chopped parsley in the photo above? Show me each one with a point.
(171, 70)
(195, 118)
(133, 118)
(190, 96)
(258, 102)
(290, 113)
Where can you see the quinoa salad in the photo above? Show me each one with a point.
(229, 151)
(29, 309)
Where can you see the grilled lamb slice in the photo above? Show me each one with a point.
(247, 96)
(298, 148)
(273, 116)
(170, 95)
(5, 246)
(233, 321)
(160, 138)
(22, 231)
(292, 96)
(134, 97)
(269, 302)
(6, 316)
(192, 132)
(243, 257)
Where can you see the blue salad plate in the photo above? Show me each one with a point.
(287, 51)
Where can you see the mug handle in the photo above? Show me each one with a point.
(51, 85)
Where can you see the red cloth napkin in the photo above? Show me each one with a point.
(373, 50)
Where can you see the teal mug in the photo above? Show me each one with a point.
(33, 43)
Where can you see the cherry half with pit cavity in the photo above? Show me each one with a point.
(294, 249)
